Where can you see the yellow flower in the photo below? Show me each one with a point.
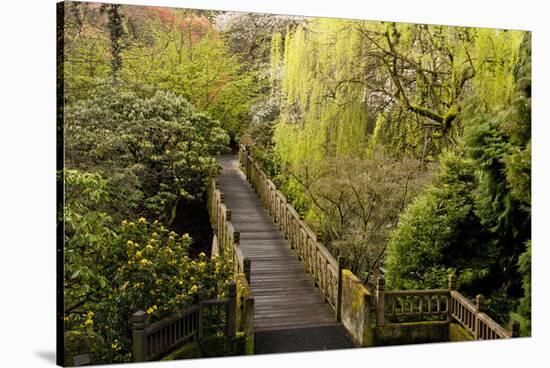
(201, 254)
(148, 247)
(138, 254)
(129, 243)
(89, 323)
(145, 262)
(193, 289)
(154, 235)
(141, 220)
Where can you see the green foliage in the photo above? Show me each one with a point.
(440, 233)
(111, 272)
(153, 150)
(174, 50)
(196, 64)
(349, 86)
(353, 204)
(88, 232)
(476, 218)
(522, 313)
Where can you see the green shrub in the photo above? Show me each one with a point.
(151, 150)
(439, 233)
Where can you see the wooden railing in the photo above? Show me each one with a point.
(479, 324)
(153, 341)
(436, 305)
(391, 306)
(326, 271)
(228, 238)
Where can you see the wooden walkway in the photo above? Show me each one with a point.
(285, 295)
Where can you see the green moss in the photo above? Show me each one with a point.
(188, 351)
(369, 337)
(459, 333)
(217, 346)
(249, 345)
(358, 291)
(412, 333)
(214, 346)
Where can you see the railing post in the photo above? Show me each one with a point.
(452, 282)
(452, 287)
(515, 329)
(139, 336)
(480, 307)
(232, 309)
(380, 300)
(340, 283)
(236, 241)
(249, 316)
(200, 331)
(246, 266)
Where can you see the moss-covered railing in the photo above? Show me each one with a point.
(350, 300)
(385, 316)
(316, 258)
(212, 316)
(226, 236)
(232, 317)
(438, 305)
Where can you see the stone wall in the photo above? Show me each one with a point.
(357, 310)
(412, 333)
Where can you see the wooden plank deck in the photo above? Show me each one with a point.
(285, 295)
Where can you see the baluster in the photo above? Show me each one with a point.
(339, 291)
(380, 300)
(480, 307)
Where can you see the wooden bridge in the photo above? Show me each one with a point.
(290, 294)
(286, 296)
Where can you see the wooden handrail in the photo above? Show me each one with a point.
(315, 256)
(151, 342)
(440, 302)
(228, 237)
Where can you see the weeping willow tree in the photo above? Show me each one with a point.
(353, 87)
(322, 116)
